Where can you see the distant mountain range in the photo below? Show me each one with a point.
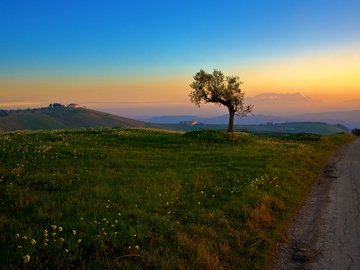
(351, 119)
(61, 118)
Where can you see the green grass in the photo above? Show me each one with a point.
(150, 199)
(62, 118)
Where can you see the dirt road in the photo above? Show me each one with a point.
(326, 233)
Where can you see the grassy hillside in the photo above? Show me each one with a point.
(150, 199)
(62, 118)
(283, 128)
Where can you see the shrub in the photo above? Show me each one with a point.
(304, 137)
(210, 135)
(356, 131)
(219, 136)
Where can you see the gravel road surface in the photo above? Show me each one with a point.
(326, 232)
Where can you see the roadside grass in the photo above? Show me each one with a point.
(151, 199)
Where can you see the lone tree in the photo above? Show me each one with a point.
(216, 88)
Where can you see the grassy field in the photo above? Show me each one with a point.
(151, 199)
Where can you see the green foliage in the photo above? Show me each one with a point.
(150, 199)
(216, 88)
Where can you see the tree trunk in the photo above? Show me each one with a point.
(231, 120)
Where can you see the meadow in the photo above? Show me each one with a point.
(151, 199)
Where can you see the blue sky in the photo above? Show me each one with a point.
(131, 40)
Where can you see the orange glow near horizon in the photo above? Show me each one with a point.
(329, 77)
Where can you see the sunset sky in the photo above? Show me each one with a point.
(137, 58)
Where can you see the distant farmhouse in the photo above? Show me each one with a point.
(190, 123)
(62, 106)
(73, 106)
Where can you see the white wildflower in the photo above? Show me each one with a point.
(26, 258)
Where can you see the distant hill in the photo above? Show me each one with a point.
(221, 119)
(351, 119)
(297, 127)
(281, 128)
(61, 118)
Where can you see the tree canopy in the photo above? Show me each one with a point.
(217, 88)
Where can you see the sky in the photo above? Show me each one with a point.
(137, 58)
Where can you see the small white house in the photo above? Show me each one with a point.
(189, 123)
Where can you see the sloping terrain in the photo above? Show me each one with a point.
(283, 128)
(325, 233)
(151, 199)
(48, 118)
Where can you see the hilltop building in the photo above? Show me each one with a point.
(56, 105)
(189, 123)
(74, 106)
